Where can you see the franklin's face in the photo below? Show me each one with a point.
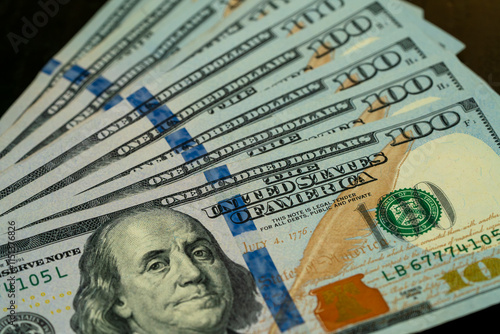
(172, 280)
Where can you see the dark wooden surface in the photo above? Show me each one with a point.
(475, 22)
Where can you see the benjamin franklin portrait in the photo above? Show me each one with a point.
(160, 271)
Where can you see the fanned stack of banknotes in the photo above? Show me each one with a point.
(251, 166)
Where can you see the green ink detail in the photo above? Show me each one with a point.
(408, 212)
(59, 274)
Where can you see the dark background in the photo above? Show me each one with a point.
(19, 69)
(477, 24)
(474, 22)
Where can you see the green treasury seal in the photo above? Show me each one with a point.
(408, 212)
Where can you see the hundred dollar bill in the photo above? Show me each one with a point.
(127, 41)
(208, 40)
(319, 111)
(128, 73)
(388, 227)
(217, 60)
(430, 81)
(213, 63)
(112, 15)
(365, 23)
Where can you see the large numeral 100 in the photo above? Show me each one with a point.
(423, 129)
(397, 93)
(447, 207)
(340, 36)
(367, 71)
